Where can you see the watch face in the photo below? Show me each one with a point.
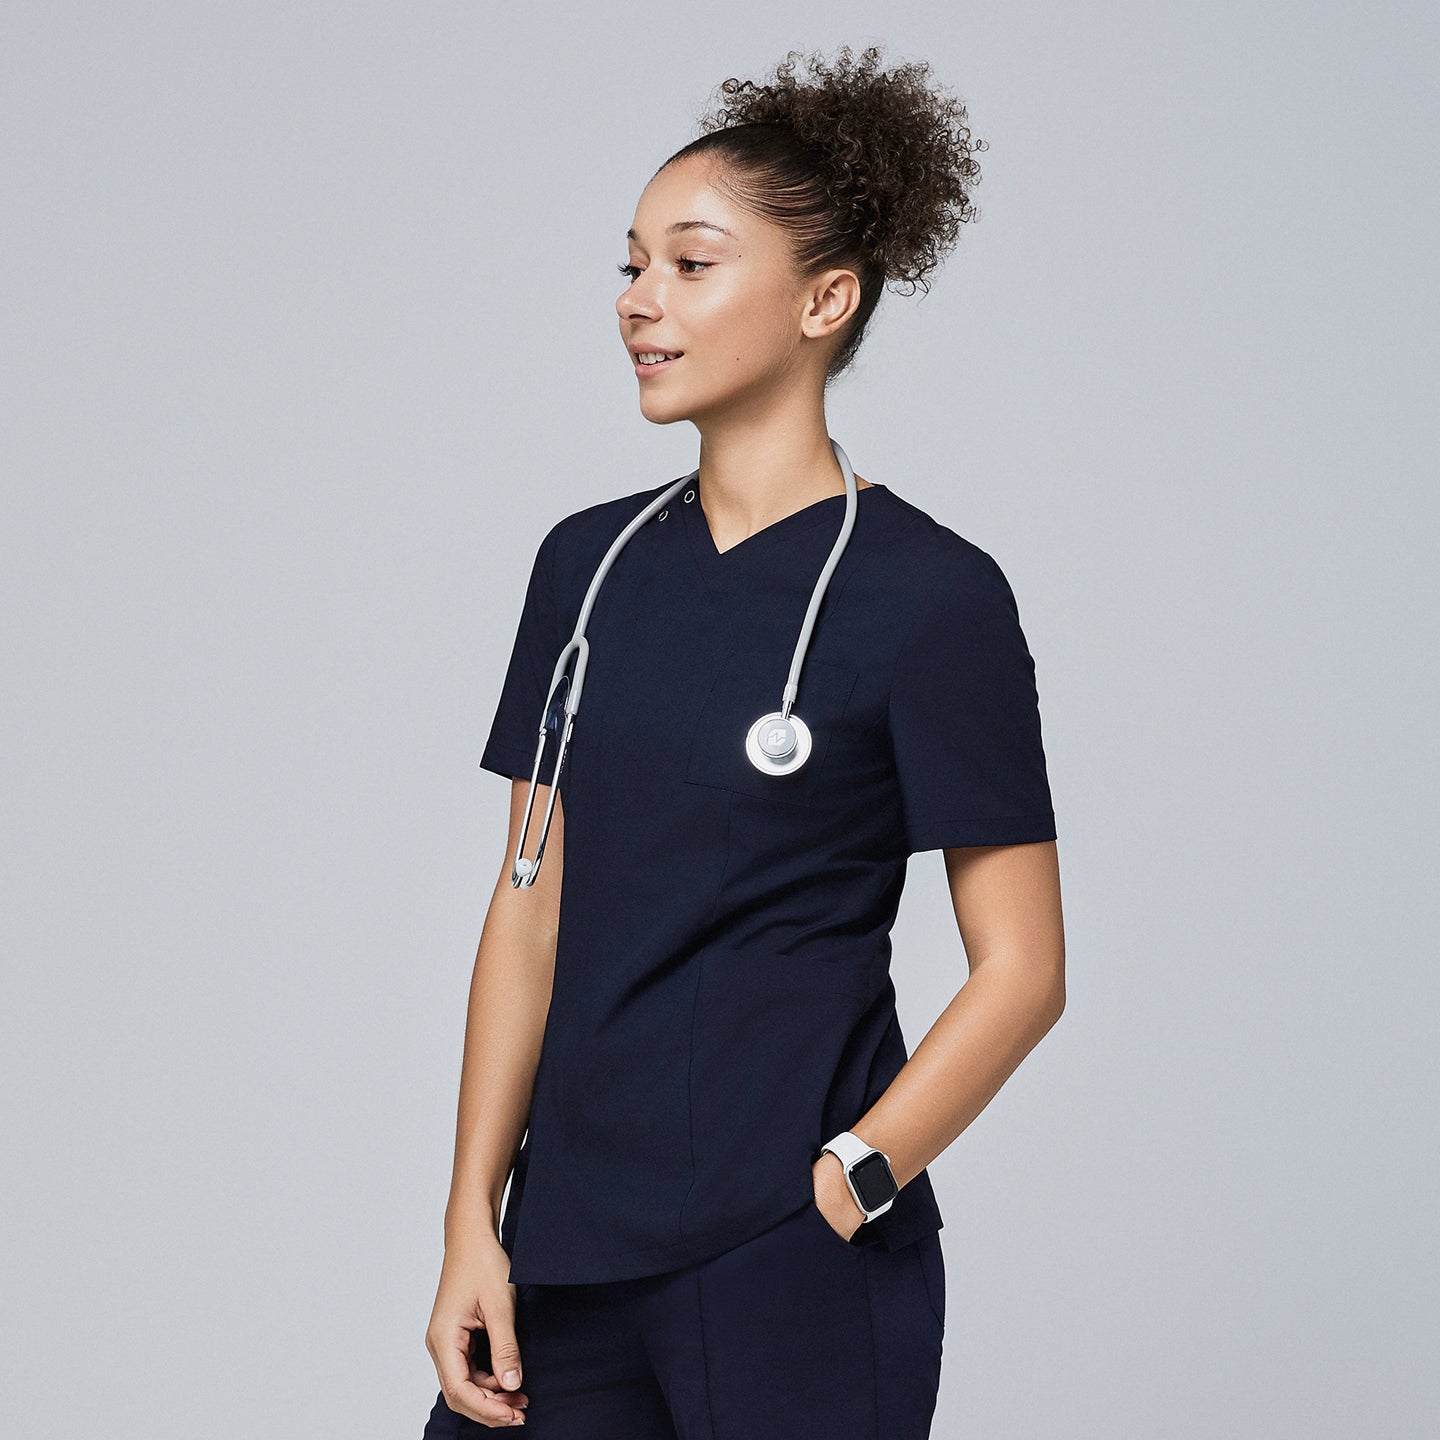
(873, 1181)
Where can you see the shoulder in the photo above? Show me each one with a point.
(961, 633)
(587, 533)
(933, 566)
(574, 546)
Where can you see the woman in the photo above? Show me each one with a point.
(709, 1007)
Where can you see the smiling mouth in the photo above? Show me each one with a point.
(652, 359)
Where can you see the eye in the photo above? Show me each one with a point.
(631, 271)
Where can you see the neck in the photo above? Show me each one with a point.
(752, 476)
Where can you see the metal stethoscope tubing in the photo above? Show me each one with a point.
(776, 743)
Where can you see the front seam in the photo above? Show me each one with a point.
(874, 1359)
(704, 1349)
(690, 1095)
(695, 1010)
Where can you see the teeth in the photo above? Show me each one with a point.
(652, 357)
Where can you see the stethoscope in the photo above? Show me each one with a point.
(776, 744)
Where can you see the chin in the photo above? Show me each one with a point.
(663, 412)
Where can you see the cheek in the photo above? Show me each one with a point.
(743, 326)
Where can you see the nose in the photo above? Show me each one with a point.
(639, 298)
(632, 304)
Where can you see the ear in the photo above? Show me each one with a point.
(831, 301)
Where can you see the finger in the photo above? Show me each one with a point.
(482, 1404)
(487, 1380)
(480, 1401)
(482, 1367)
(504, 1351)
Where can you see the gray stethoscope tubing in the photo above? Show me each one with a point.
(776, 743)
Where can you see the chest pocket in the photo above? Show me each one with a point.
(746, 688)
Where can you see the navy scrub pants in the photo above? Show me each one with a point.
(791, 1335)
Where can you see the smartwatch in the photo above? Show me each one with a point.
(867, 1173)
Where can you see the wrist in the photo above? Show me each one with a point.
(833, 1193)
(469, 1227)
(864, 1171)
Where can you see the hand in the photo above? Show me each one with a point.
(476, 1294)
(833, 1198)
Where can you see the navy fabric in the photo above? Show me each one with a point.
(722, 1002)
(791, 1335)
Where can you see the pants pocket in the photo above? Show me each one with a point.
(817, 1217)
(932, 1265)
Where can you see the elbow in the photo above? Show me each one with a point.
(1048, 1007)
(1054, 1003)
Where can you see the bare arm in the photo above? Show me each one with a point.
(504, 1027)
(1007, 905)
(505, 1023)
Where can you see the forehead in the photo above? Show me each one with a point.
(682, 193)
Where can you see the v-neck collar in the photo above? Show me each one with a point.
(720, 566)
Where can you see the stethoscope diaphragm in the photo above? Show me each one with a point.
(776, 743)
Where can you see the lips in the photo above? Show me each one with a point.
(654, 369)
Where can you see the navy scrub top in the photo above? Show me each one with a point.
(722, 1002)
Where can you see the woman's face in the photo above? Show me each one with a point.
(722, 293)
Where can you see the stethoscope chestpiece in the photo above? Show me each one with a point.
(776, 744)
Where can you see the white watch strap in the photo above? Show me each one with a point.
(848, 1147)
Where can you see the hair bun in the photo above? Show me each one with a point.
(894, 152)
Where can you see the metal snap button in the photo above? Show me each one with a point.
(689, 496)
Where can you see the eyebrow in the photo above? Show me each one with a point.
(689, 225)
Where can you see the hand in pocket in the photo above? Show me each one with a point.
(833, 1198)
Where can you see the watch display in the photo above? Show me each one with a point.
(873, 1181)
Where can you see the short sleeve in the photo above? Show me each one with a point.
(964, 717)
(515, 729)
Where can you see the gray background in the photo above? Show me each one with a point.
(309, 325)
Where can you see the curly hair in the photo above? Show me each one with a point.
(868, 169)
